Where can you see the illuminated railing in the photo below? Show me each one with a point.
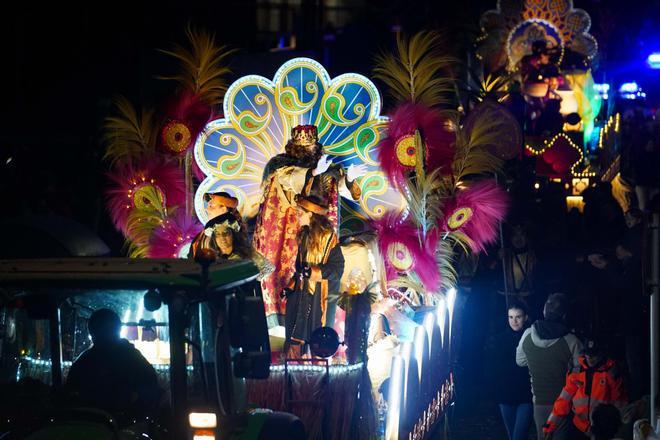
(421, 383)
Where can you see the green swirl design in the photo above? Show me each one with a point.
(248, 123)
(373, 184)
(333, 108)
(290, 102)
(231, 165)
(366, 138)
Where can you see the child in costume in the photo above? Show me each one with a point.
(224, 232)
(319, 267)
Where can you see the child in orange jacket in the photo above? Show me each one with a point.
(596, 381)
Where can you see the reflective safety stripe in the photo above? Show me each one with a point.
(553, 418)
(565, 395)
(583, 416)
(582, 401)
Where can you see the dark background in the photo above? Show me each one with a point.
(63, 64)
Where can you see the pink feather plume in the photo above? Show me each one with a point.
(439, 141)
(124, 180)
(173, 235)
(488, 204)
(392, 229)
(189, 109)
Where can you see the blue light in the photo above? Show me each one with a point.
(602, 88)
(630, 87)
(654, 60)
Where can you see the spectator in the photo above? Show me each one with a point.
(549, 350)
(520, 263)
(511, 383)
(594, 382)
(632, 312)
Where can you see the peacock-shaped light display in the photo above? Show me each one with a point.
(258, 116)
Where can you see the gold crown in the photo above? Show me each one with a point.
(304, 135)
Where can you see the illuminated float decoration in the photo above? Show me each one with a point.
(547, 48)
(427, 192)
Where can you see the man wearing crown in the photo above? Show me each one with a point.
(301, 169)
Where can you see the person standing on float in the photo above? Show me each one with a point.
(319, 266)
(301, 169)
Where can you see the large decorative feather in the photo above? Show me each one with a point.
(472, 143)
(476, 212)
(128, 135)
(185, 117)
(424, 195)
(140, 226)
(412, 72)
(154, 183)
(397, 153)
(203, 67)
(173, 235)
(405, 251)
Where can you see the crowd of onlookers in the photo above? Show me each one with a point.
(573, 361)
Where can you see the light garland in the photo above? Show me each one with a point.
(336, 369)
(550, 143)
(614, 122)
(45, 362)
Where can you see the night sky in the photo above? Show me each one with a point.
(63, 64)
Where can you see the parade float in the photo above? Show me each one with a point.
(406, 193)
(545, 52)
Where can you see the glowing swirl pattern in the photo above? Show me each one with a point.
(259, 114)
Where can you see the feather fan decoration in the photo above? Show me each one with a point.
(397, 153)
(173, 235)
(399, 243)
(411, 73)
(153, 185)
(128, 135)
(202, 66)
(475, 212)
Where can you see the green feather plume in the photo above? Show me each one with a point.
(472, 156)
(142, 222)
(128, 135)
(203, 66)
(417, 71)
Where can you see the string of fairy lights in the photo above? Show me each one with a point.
(549, 143)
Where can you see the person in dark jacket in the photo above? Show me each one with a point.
(512, 389)
(112, 375)
(550, 351)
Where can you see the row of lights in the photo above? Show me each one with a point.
(549, 143)
(417, 354)
(45, 362)
(337, 369)
(614, 122)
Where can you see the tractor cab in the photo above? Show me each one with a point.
(201, 327)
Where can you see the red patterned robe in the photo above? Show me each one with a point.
(276, 229)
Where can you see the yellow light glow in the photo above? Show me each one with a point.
(537, 185)
(579, 185)
(202, 420)
(575, 202)
(203, 434)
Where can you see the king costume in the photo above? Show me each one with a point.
(285, 176)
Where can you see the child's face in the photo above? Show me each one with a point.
(215, 208)
(304, 217)
(593, 359)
